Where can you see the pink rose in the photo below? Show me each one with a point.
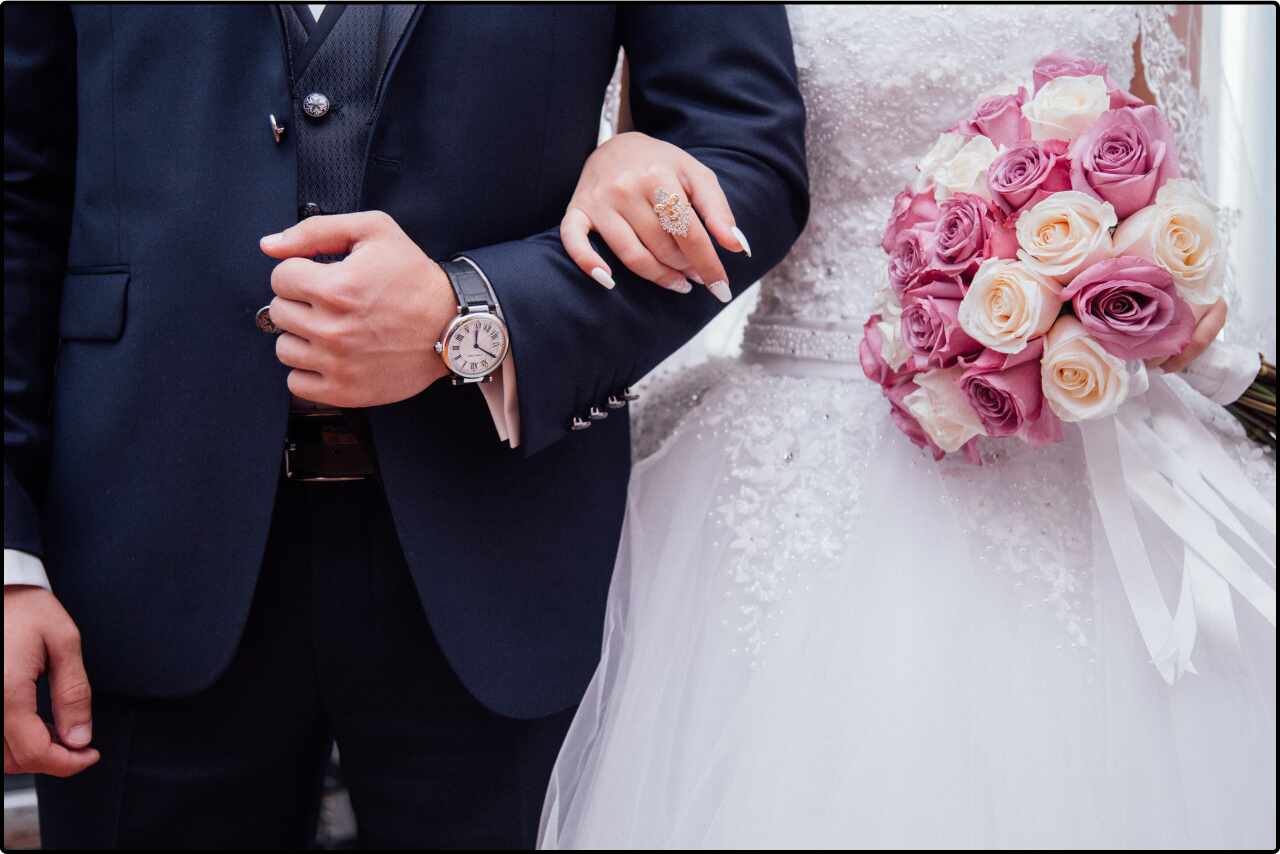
(871, 355)
(1125, 158)
(1028, 172)
(909, 210)
(1058, 64)
(930, 327)
(1000, 119)
(1006, 393)
(966, 234)
(909, 258)
(907, 422)
(1132, 308)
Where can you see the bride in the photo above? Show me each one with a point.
(819, 637)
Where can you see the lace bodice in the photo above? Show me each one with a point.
(881, 82)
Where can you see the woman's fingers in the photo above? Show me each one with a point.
(1207, 329)
(637, 258)
(709, 201)
(575, 229)
(694, 240)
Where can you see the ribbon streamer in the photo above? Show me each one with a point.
(1156, 456)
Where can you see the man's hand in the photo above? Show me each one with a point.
(39, 633)
(359, 332)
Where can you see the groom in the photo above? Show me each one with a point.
(249, 511)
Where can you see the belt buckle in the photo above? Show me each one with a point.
(291, 473)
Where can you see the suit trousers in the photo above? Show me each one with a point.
(337, 647)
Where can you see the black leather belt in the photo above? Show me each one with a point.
(328, 446)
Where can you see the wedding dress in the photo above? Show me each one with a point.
(819, 637)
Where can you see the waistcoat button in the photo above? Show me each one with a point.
(316, 105)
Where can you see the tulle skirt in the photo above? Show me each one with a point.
(818, 637)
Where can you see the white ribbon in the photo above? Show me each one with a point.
(1222, 372)
(1157, 456)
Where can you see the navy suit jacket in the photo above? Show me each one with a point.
(144, 412)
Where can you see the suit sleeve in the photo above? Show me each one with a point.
(720, 82)
(39, 175)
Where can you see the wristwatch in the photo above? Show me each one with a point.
(475, 342)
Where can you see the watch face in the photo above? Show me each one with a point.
(475, 346)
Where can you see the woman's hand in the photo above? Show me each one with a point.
(615, 196)
(1209, 322)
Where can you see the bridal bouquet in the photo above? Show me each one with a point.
(1046, 249)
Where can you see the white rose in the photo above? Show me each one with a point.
(1179, 232)
(944, 148)
(1064, 233)
(1007, 305)
(966, 172)
(942, 410)
(1066, 106)
(1081, 380)
(893, 349)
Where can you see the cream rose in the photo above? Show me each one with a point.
(893, 349)
(1007, 305)
(942, 409)
(1180, 233)
(945, 147)
(1066, 106)
(1065, 232)
(1081, 380)
(966, 172)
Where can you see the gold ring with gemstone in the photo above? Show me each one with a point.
(674, 213)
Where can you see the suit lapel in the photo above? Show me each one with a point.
(399, 22)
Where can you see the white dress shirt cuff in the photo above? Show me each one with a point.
(504, 405)
(24, 568)
(500, 395)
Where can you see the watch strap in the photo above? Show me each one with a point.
(469, 285)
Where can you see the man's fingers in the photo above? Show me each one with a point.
(326, 235)
(709, 201)
(296, 278)
(69, 691)
(575, 229)
(31, 749)
(292, 316)
(309, 385)
(296, 352)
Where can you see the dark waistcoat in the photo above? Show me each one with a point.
(338, 62)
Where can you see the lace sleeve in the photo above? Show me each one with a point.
(1168, 59)
(1167, 68)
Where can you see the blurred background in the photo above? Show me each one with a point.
(1234, 59)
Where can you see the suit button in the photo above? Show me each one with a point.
(579, 423)
(309, 209)
(316, 105)
(597, 414)
(263, 321)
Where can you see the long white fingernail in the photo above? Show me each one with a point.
(680, 285)
(601, 275)
(721, 290)
(742, 238)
